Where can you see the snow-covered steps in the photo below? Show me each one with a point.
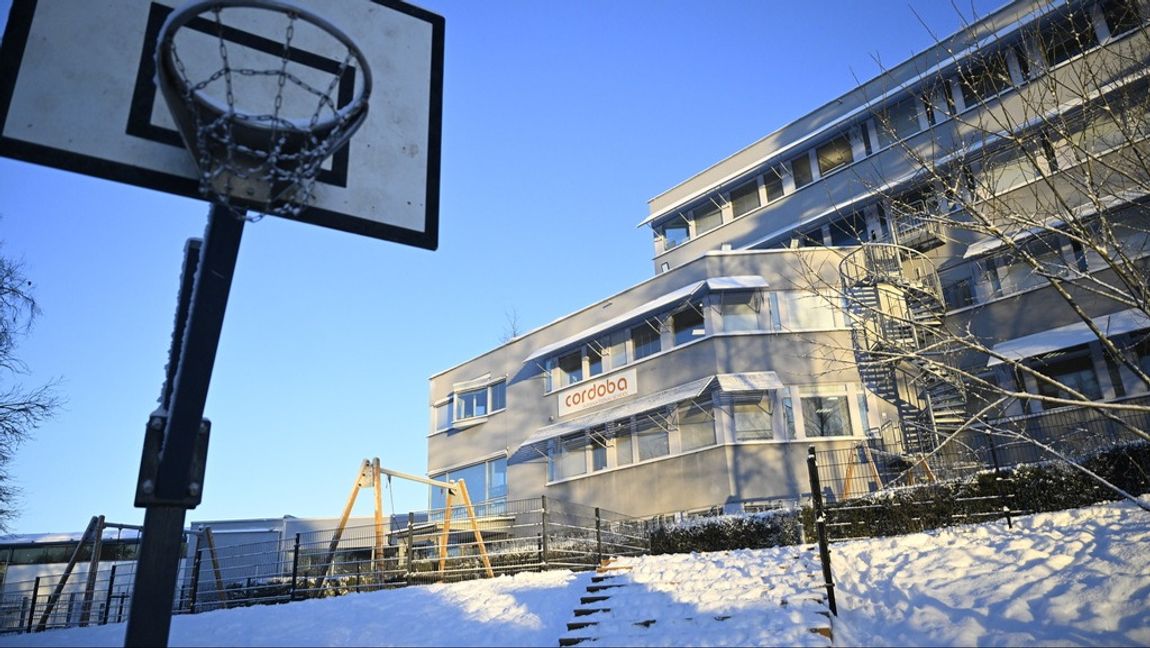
(697, 599)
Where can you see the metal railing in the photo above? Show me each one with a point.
(518, 535)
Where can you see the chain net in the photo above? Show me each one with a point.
(263, 158)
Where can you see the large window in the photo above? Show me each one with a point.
(899, 121)
(825, 416)
(567, 457)
(687, 324)
(696, 426)
(752, 416)
(801, 170)
(707, 217)
(773, 183)
(570, 368)
(1121, 16)
(674, 232)
(443, 416)
(740, 310)
(984, 78)
(486, 482)
(651, 437)
(1073, 370)
(803, 310)
(1069, 37)
(645, 340)
(834, 154)
(478, 402)
(745, 198)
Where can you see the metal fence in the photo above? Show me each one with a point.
(867, 480)
(518, 535)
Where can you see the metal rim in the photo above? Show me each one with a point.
(181, 16)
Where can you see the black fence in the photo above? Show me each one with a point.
(875, 487)
(519, 535)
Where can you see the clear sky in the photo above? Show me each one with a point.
(561, 119)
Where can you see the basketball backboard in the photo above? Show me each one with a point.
(78, 92)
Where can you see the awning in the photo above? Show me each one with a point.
(739, 382)
(1070, 335)
(750, 381)
(740, 282)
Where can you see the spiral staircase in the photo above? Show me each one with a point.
(896, 310)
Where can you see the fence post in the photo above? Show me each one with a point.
(32, 608)
(998, 477)
(108, 596)
(543, 545)
(598, 535)
(821, 529)
(294, 568)
(410, 544)
(196, 578)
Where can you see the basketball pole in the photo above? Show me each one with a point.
(176, 441)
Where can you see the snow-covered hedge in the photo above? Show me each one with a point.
(727, 532)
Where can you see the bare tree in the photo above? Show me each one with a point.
(1026, 199)
(511, 328)
(21, 409)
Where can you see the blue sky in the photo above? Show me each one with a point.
(560, 121)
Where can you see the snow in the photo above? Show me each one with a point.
(1077, 577)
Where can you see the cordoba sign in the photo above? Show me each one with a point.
(596, 392)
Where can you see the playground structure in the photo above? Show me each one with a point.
(370, 475)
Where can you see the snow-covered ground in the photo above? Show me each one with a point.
(1077, 577)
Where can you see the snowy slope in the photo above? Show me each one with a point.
(1072, 578)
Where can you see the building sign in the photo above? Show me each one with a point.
(590, 394)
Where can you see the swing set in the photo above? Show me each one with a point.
(370, 475)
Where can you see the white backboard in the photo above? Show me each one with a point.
(77, 92)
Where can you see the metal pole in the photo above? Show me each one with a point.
(196, 563)
(294, 567)
(32, 608)
(410, 543)
(998, 478)
(821, 530)
(543, 546)
(108, 596)
(177, 484)
(598, 535)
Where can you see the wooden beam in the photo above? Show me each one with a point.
(364, 469)
(475, 528)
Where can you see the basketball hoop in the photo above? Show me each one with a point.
(259, 125)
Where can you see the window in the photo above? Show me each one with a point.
(773, 182)
(1068, 38)
(687, 324)
(696, 426)
(594, 359)
(618, 349)
(567, 457)
(1121, 16)
(624, 443)
(675, 232)
(849, 230)
(803, 310)
(745, 198)
(645, 340)
(984, 79)
(443, 416)
(486, 482)
(899, 121)
(801, 170)
(740, 310)
(825, 416)
(1142, 351)
(470, 404)
(651, 437)
(707, 217)
(571, 368)
(752, 418)
(1073, 370)
(834, 154)
(598, 444)
(480, 402)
